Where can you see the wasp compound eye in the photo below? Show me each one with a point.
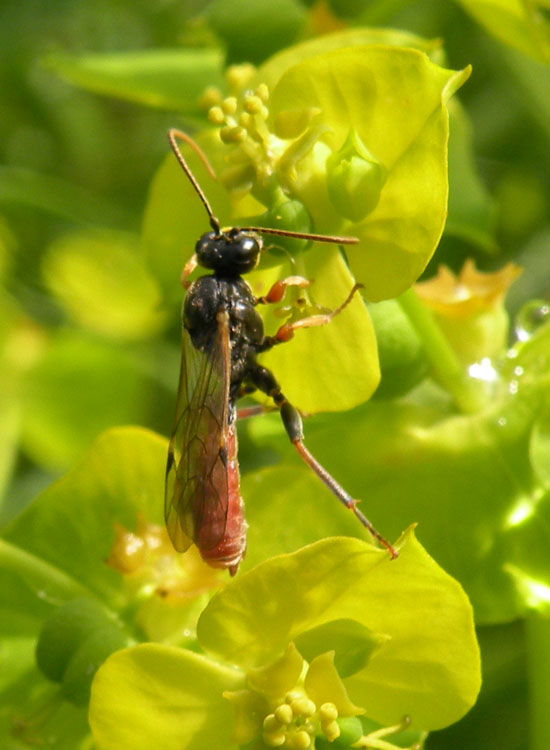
(231, 253)
(208, 250)
(244, 251)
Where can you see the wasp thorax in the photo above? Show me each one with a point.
(233, 252)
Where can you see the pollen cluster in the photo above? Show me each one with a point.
(264, 148)
(294, 723)
(242, 122)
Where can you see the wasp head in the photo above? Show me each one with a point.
(232, 252)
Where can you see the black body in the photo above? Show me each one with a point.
(230, 254)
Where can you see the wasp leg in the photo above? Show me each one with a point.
(277, 291)
(265, 381)
(251, 411)
(254, 409)
(188, 269)
(286, 331)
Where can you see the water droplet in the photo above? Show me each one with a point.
(513, 387)
(483, 370)
(530, 318)
(502, 421)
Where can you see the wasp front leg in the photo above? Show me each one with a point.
(277, 291)
(188, 269)
(286, 331)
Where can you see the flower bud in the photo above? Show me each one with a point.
(229, 105)
(303, 707)
(328, 712)
(74, 642)
(351, 730)
(211, 97)
(291, 215)
(216, 115)
(469, 308)
(232, 134)
(252, 104)
(301, 740)
(263, 92)
(354, 179)
(239, 76)
(284, 714)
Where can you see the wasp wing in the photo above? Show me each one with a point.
(196, 496)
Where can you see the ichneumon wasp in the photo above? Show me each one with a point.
(222, 336)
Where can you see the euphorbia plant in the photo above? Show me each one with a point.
(353, 141)
(297, 648)
(360, 623)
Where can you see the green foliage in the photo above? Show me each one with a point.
(350, 125)
(403, 230)
(520, 23)
(103, 286)
(253, 31)
(287, 597)
(149, 77)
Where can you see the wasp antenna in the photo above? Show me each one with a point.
(173, 134)
(337, 240)
(280, 248)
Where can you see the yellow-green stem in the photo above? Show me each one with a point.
(447, 370)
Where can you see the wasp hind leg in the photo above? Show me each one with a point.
(265, 381)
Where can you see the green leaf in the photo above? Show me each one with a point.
(335, 366)
(424, 611)
(253, 31)
(403, 361)
(41, 720)
(167, 79)
(472, 212)
(475, 470)
(60, 198)
(323, 684)
(56, 551)
(273, 69)
(395, 100)
(519, 23)
(279, 677)
(100, 387)
(352, 643)
(70, 527)
(291, 499)
(159, 696)
(31, 710)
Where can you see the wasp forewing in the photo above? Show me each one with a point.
(202, 501)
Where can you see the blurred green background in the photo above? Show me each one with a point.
(87, 345)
